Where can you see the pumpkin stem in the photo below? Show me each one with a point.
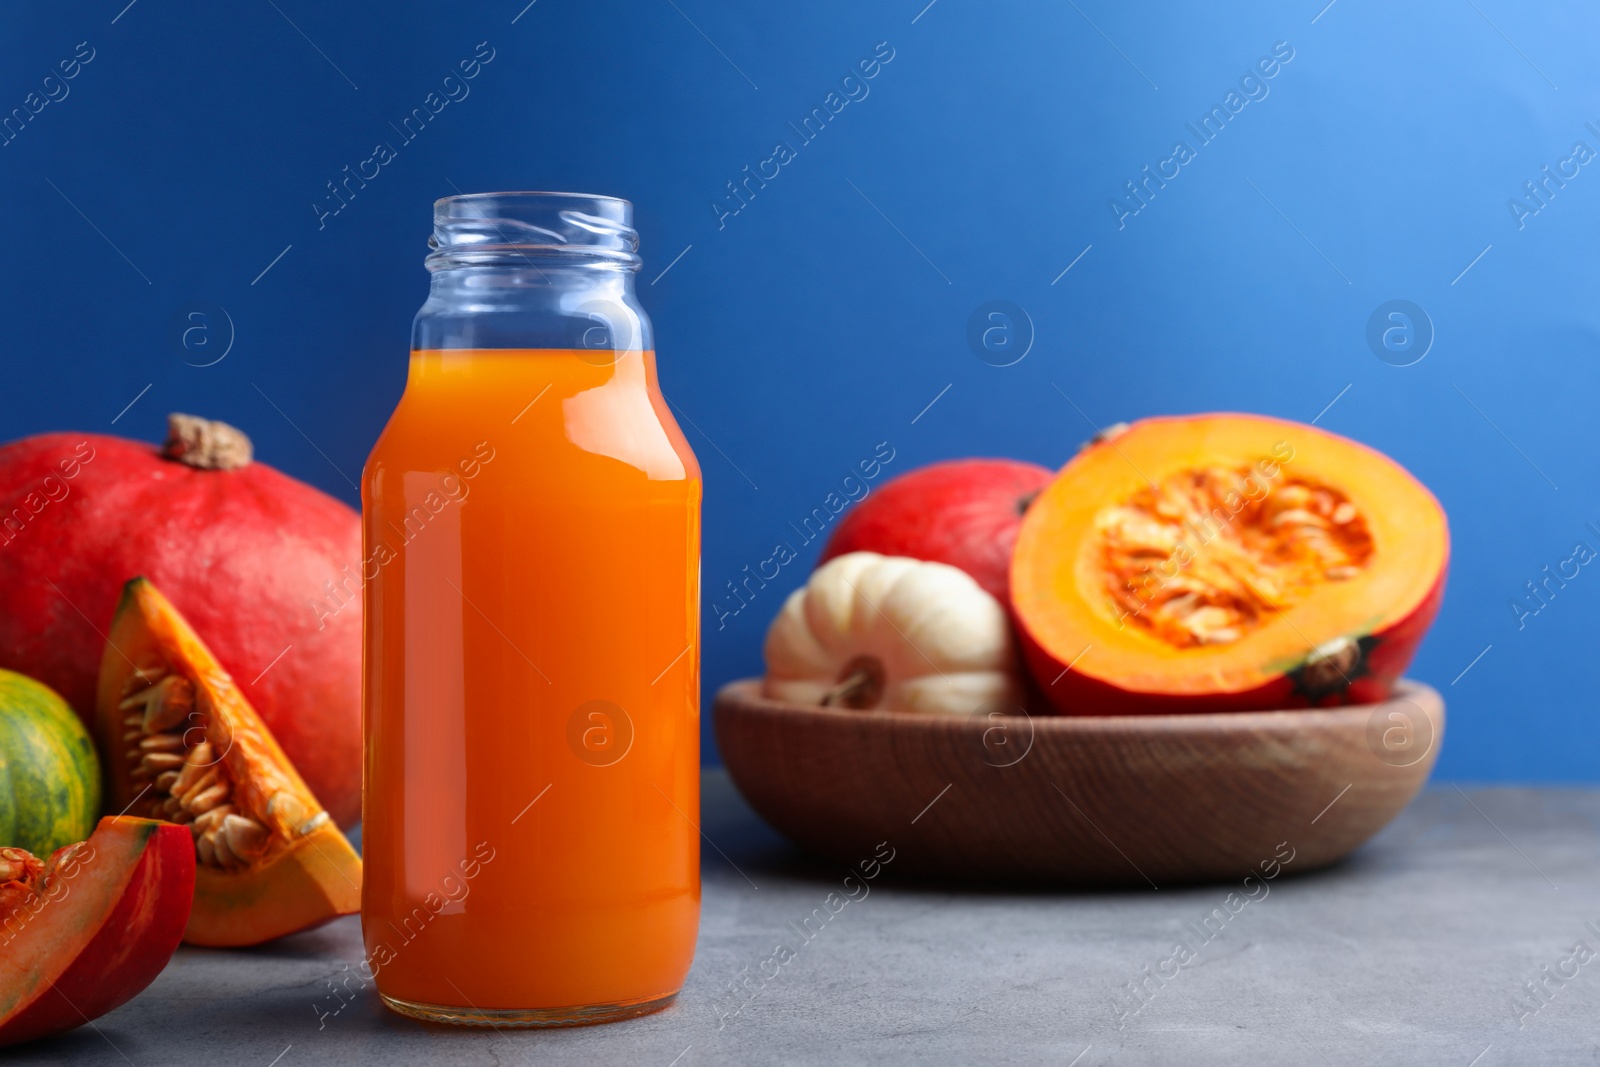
(1109, 433)
(206, 444)
(860, 685)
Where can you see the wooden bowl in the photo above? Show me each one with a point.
(1102, 800)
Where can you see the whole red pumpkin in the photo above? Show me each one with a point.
(265, 567)
(964, 512)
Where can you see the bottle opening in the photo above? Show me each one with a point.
(533, 229)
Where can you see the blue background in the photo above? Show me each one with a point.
(826, 315)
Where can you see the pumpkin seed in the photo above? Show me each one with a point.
(156, 762)
(171, 702)
(207, 819)
(205, 779)
(290, 808)
(219, 847)
(246, 837)
(195, 765)
(321, 818)
(143, 678)
(205, 800)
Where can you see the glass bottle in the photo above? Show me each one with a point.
(532, 529)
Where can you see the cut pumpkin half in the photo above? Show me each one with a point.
(1225, 562)
(182, 744)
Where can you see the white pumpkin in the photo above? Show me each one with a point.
(871, 631)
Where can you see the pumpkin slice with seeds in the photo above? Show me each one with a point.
(181, 743)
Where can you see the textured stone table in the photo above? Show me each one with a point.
(1413, 952)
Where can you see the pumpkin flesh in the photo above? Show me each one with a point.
(1226, 562)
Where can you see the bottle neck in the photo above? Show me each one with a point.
(533, 304)
(532, 270)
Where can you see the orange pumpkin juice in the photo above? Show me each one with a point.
(532, 771)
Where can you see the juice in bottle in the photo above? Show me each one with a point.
(532, 517)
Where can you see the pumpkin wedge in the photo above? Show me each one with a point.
(181, 743)
(1225, 562)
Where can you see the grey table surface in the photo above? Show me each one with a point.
(1414, 951)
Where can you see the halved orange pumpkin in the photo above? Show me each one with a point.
(181, 743)
(1225, 562)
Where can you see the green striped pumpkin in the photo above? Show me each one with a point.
(49, 774)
